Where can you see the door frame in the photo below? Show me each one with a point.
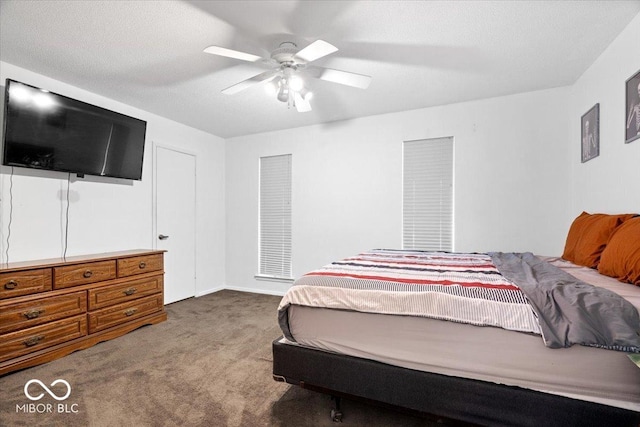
(154, 221)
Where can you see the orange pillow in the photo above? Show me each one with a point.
(588, 237)
(621, 257)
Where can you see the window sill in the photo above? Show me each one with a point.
(268, 278)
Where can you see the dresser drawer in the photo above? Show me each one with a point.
(140, 264)
(81, 274)
(26, 314)
(122, 313)
(25, 282)
(133, 289)
(28, 340)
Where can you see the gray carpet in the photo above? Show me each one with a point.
(208, 365)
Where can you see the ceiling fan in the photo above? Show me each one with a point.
(289, 67)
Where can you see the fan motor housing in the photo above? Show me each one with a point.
(285, 53)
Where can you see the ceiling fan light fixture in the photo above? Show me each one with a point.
(283, 91)
(296, 84)
(305, 93)
(301, 104)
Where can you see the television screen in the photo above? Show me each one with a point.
(44, 130)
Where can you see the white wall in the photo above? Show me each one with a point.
(511, 182)
(110, 214)
(609, 183)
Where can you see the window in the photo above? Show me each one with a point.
(275, 217)
(427, 198)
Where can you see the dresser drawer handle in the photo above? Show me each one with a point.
(11, 284)
(130, 291)
(130, 312)
(87, 274)
(32, 314)
(33, 340)
(142, 265)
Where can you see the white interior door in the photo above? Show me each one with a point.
(175, 221)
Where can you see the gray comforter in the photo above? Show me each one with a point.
(570, 311)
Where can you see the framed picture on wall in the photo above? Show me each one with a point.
(591, 133)
(632, 101)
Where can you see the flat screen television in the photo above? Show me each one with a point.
(44, 130)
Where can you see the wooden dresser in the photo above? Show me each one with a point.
(50, 308)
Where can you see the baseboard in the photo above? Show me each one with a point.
(209, 291)
(239, 289)
(254, 290)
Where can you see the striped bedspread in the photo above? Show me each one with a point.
(458, 287)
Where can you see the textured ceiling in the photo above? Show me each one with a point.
(148, 54)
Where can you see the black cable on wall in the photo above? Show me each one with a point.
(10, 215)
(66, 226)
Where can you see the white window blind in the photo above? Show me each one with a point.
(275, 217)
(427, 198)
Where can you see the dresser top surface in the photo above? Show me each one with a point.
(52, 262)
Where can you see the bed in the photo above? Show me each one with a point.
(502, 361)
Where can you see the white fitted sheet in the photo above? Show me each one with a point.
(482, 353)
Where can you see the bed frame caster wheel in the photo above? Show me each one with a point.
(336, 413)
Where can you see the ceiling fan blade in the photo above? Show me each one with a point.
(250, 82)
(229, 53)
(302, 105)
(337, 76)
(315, 50)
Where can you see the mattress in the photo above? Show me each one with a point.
(482, 353)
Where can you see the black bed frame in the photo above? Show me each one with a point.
(466, 400)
